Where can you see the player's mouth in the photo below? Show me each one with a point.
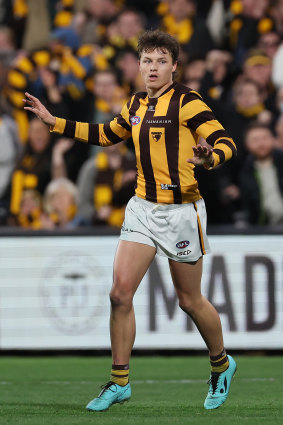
(152, 77)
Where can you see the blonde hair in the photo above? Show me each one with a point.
(55, 185)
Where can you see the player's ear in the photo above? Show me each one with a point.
(175, 67)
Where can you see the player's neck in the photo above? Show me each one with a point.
(152, 92)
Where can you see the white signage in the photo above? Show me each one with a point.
(54, 294)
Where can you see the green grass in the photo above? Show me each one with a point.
(54, 391)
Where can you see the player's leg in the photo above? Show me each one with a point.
(187, 281)
(130, 265)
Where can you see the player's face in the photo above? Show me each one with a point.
(156, 68)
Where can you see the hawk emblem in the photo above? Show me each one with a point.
(156, 135)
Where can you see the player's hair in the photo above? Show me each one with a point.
(151, 40)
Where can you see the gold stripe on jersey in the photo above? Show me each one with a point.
(207, 128)
(81, 132)
(59, 126)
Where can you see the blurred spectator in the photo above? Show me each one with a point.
(262, 177)
(258, 67)
(10, 149)
(60, 204)
(247, 21)
(59, 168)
(277, 15)
(180, 20)
(33, 170)
(106, 183)
(109, 96)
(92, 22)
(123, 33)
(217, 78)
(279, 133)
(193, 70)
(30, 211)
(7, 42)
(128, 64)
(269, 43)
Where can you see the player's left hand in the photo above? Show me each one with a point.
(202, 156)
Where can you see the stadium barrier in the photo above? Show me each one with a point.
(54, 292)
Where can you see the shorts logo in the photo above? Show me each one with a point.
(135, 120)
(180, 253)
(156, 135)
(182, 244)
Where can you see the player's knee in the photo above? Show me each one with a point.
(120, 296)
(189, 305)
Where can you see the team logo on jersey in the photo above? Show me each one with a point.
(182, 244)
(156, 135)
(135, 120)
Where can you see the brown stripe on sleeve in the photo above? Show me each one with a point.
(121, 121)
(70, 129)
(110, 134)
(229, 144)
(189, 97)
(93, 134)
(199, 119)
(217, 135)
(221, 154)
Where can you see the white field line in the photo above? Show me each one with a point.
(147, 381)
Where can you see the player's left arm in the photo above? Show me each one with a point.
(218, 147)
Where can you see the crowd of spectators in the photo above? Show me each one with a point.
(79, 58)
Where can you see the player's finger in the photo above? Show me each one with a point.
(29, 102)
(29, 108)
(30, 97)
(192, 161)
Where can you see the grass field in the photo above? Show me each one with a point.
(166, 390)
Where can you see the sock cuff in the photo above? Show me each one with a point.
(120, 367)
(219, 356)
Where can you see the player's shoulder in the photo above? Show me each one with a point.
(136, 97)
(189, 94)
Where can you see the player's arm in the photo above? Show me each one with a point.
(218, 147)
(96, 134)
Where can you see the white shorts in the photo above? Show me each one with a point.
(177, 231)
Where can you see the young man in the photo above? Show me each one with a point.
(262, 177)
(165, 123)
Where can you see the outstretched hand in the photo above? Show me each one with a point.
(202, 156)
(35, 106)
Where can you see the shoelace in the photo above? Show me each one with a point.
(213, 381)
(106, 387)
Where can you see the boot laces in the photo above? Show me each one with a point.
(107, 386)
(213, 381)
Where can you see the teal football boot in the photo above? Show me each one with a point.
(219, 385)
(111, 394)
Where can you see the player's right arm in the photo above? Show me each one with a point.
(95, 134)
